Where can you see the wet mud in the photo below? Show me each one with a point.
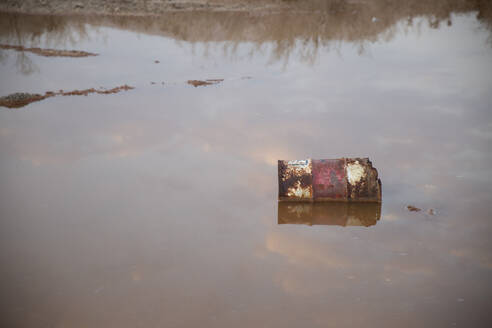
(415, 209)
(201, 83)
(21, 99)
(49, 52)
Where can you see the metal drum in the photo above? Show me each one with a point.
(344, 179)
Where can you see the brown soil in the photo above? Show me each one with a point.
(92, 90)
(199, 83)
(49, 52)
(120, 7)
(19, 99)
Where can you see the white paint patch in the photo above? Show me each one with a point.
(299, 167)
(297, 162)
(355, 172)
(298, 191)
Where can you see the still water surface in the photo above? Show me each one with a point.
(157, 207)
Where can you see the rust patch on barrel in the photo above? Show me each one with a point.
(295, 180)
(363, 183)
(329, 181)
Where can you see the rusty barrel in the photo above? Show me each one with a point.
(343, 179)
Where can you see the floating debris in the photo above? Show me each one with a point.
(413, 208)
(345, 179)
(199, 83)
(21, 99)
(49, 52)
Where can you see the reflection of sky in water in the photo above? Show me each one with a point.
(158, 205)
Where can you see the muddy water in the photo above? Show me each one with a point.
(157, 207)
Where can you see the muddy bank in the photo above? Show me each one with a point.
(158, 7)
(49, 52)
(199, 83)
(21, 99)
(136, 7)
(379, 9)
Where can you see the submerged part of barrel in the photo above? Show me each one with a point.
(345, 179)
(331, 213)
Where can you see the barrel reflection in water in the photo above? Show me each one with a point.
(336, 213)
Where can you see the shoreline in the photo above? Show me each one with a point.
(137, 8)
(155, 8)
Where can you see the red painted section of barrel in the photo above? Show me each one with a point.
(329, 179)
